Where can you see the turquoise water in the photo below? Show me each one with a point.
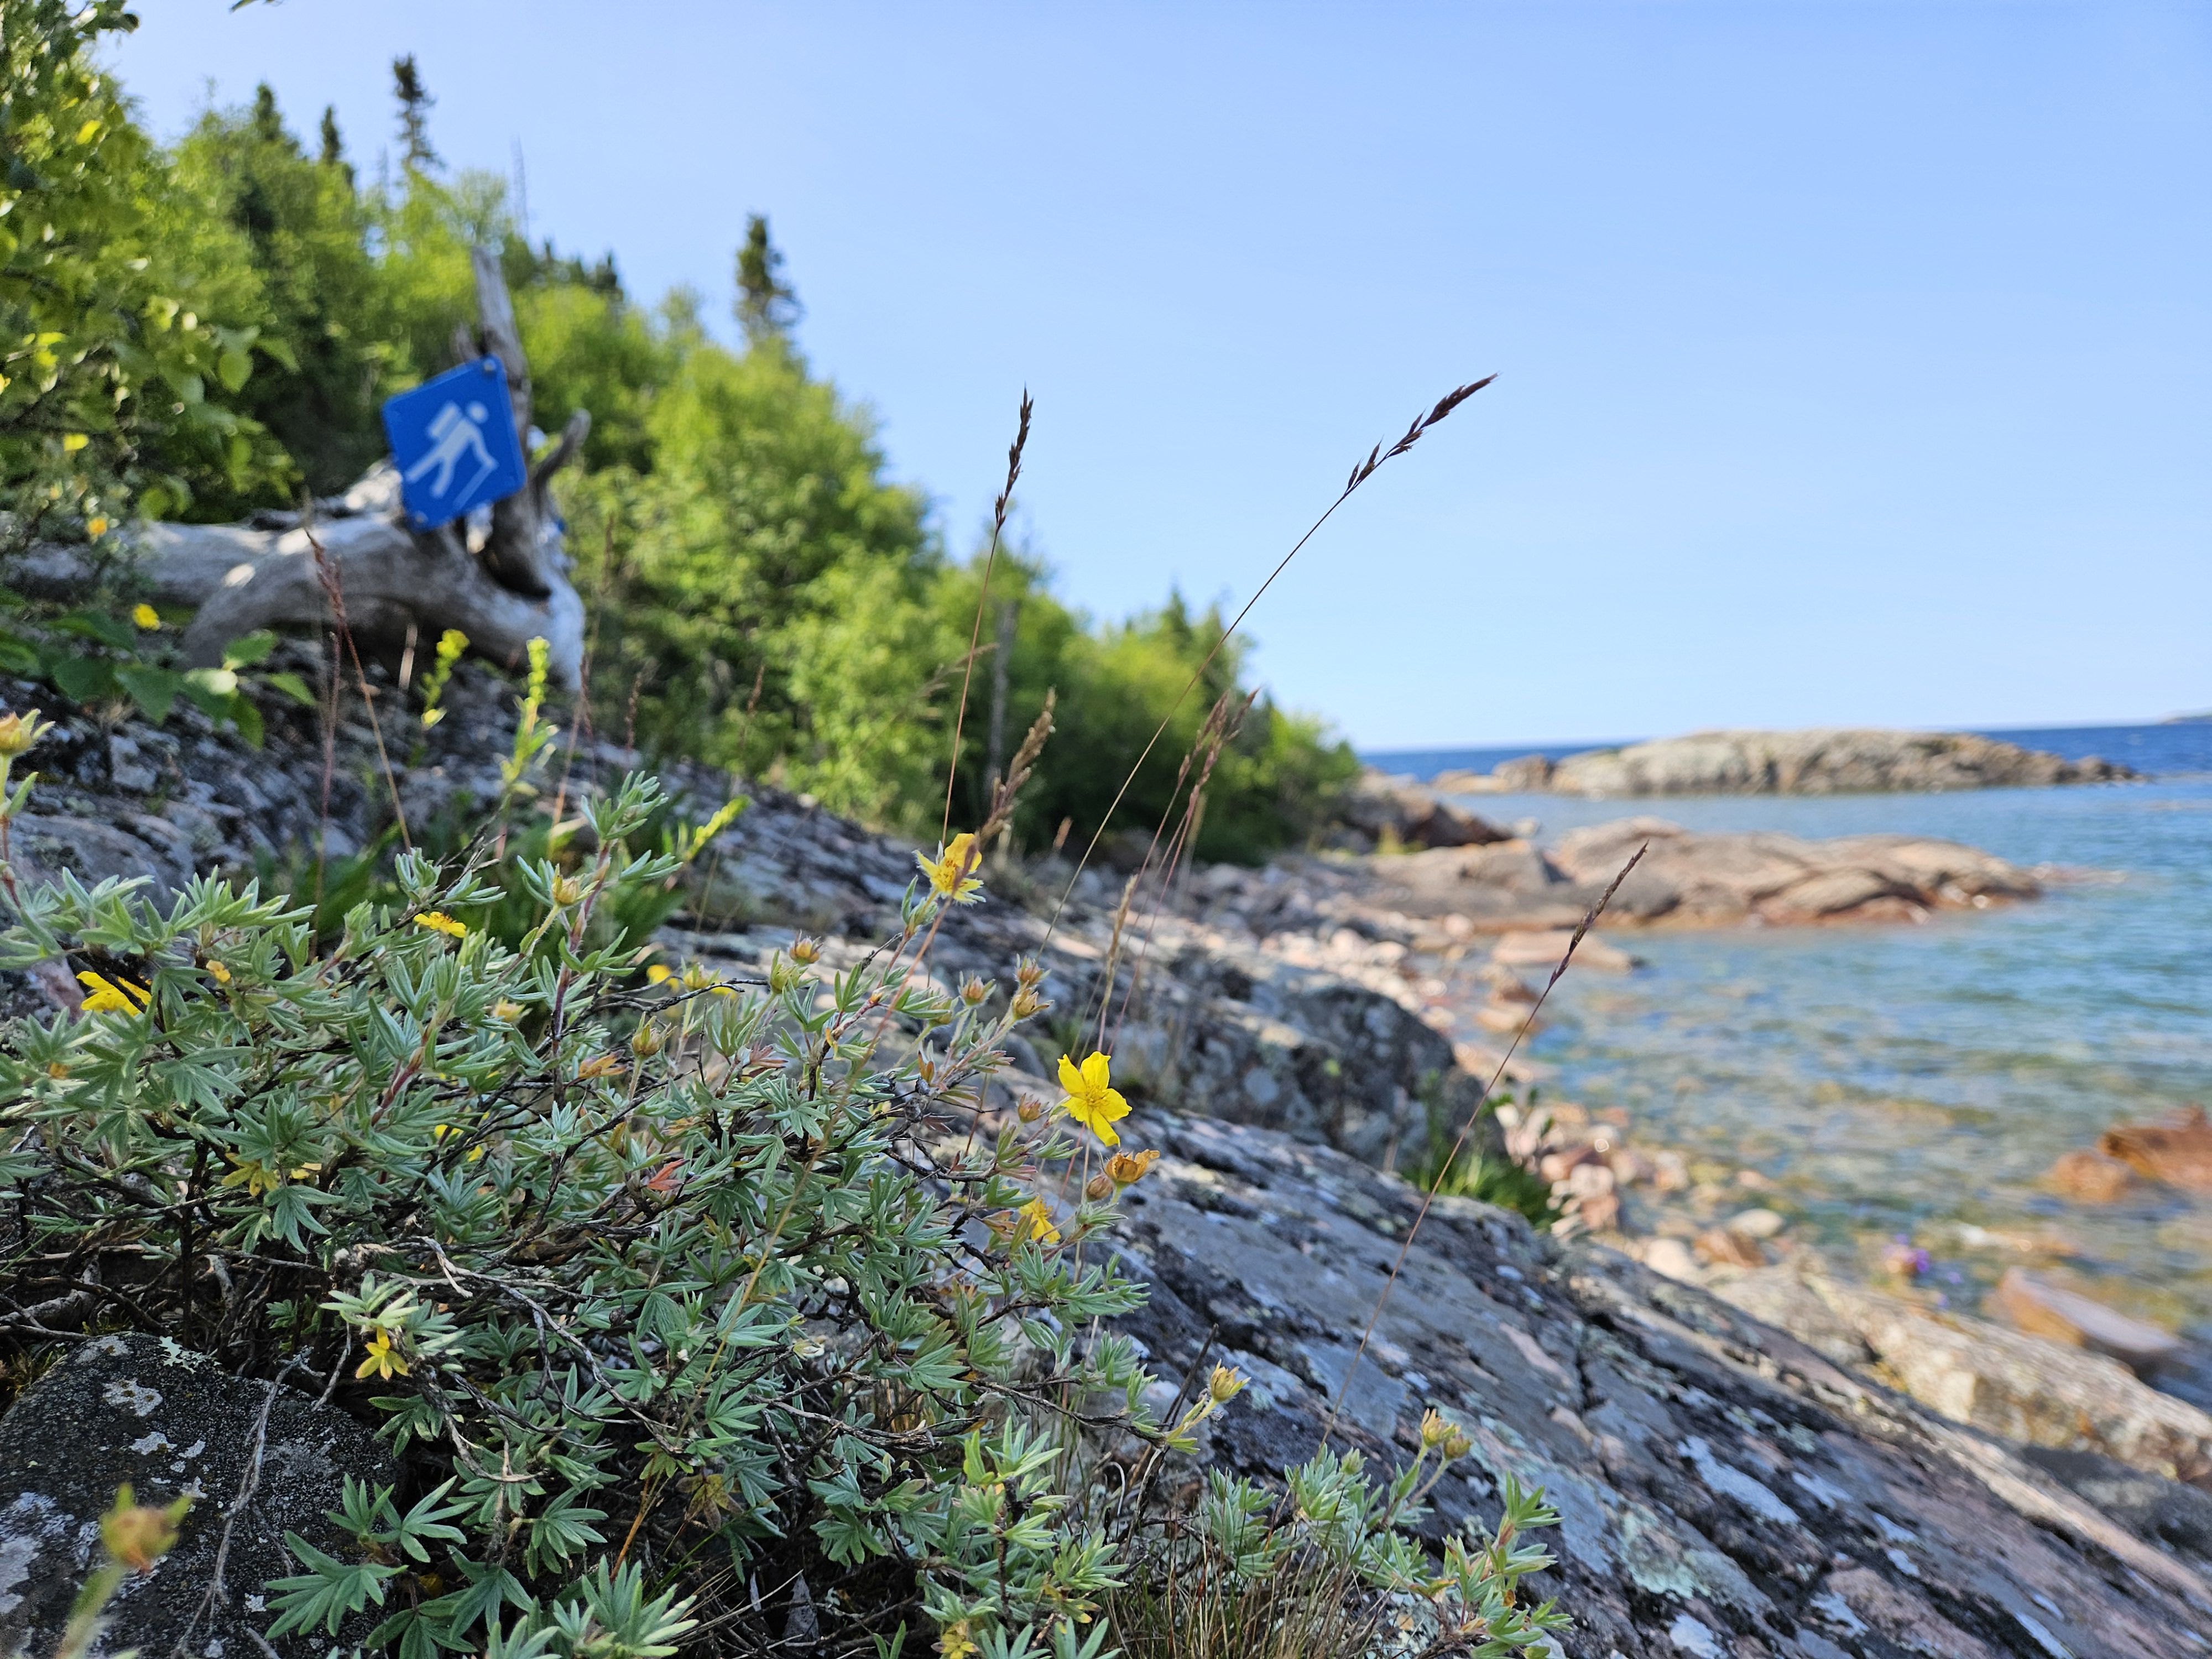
(1918, 1080)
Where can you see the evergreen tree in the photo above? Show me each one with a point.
(268, 124)
(767, 304)
(333, 146)
(414, 113)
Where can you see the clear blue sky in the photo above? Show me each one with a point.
(1855, 359)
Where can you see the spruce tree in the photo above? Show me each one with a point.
(414, 113)
(767, 304)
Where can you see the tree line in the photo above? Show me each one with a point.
(209, 328)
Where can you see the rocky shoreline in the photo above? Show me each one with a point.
(1753, 1458)
(1827, 760)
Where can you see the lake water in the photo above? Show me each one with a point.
(1918, 1080)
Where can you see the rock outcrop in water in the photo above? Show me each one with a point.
(1695, 877)
(1823, 761)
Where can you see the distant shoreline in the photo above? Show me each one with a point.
(2179, 745)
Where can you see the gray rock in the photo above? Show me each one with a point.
(1722, 1487)
(1382, 806)
(146, 1412)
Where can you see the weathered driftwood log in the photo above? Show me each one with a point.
(513, 588)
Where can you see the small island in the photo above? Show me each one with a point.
(1823, 761)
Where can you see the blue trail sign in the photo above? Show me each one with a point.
(454, 438)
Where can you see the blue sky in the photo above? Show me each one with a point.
(1855, 361)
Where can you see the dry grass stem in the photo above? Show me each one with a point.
(1390, 1282)
(982, 597)
(1360, 474)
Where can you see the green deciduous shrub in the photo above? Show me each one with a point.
(117, 354)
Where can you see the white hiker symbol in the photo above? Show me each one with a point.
(456, 434)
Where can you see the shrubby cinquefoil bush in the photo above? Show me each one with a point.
(692, 1306)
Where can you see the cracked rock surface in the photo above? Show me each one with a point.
(1724, 1489)
(140, 1410)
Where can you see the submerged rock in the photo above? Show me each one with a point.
(2178, 1151)
(2081, 1321)
(2090, 1177)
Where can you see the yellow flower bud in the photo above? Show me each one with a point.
(507, 1009)
(138, 1536)
(973, 990)
(1128, 1168)
(1028, 1004)
(1029, 1110)
(646, 1039)
(19, 732)
(1224, 1385)
(805, 951)
(567, 889)
(1098, 1188)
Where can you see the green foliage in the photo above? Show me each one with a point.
(765, 548)
(293, 233)
(93, 656)
(1273, 780)
(1326, 1569)
(684, 1262)
(1475, 1174)
(116, 345)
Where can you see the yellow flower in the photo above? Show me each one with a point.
(952, 1641)
(507, 1009)
(1089, 1101)
(658, 974)
(1128, 1168)
(950, 874)
(1033, 1221)
(383, 1359)
(438, 922)
(55, 1070)
(251, 1174)
(19, 732)
(222, 974)
(145, 614)
(96, 527)
(1224, 1385)
(113, 996)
